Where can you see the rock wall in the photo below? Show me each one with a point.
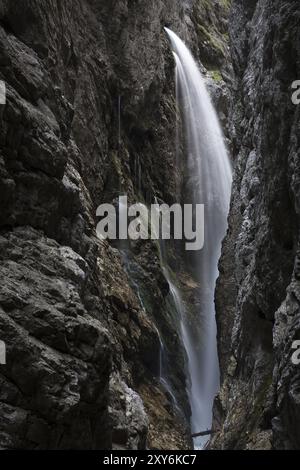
(89, 115)
(258, 290)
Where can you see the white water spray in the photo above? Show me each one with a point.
(210, 178)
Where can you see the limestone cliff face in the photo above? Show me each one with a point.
(258, 291)
(79, 344)
(89, 115)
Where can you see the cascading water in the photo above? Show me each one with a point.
(210, 178)
(131, 270)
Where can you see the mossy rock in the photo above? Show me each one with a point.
(216, 76)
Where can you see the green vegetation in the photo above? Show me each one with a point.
(225, 3)
(216, 75)
(210, 37)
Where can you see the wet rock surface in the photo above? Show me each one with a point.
(257, 294)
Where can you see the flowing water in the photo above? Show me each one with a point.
(210, 178)
(131, 270)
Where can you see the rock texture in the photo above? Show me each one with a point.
(89, 116)
(258, 291)
(78, 341)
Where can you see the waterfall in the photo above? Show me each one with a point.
(130, 269)
(163, 375)
(210, 179)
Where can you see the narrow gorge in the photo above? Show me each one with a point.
(131, 344)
